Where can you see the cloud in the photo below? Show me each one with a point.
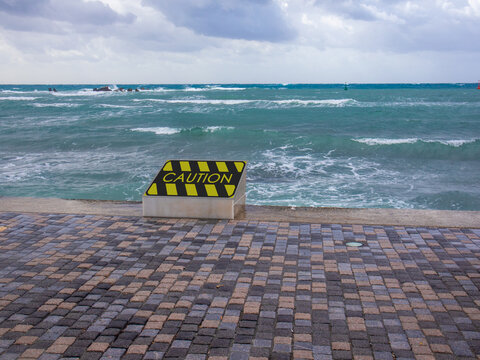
(390, 25)
(16, 12)
(238, 40)
(261, 20)
(347, 8)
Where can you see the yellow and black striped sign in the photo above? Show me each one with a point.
(197, 178)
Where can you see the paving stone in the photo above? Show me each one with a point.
(111, 287)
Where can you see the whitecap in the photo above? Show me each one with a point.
(194, 89)
(226, 88)
(21, 92)
(454, 143)
(198, 101)
(213, 88)
(111, 106)
(325, 102)
(82, 92)
(159, 89)
(67, 105)
(159, 130)
(18, 98)
(383, 141)
(217, 128)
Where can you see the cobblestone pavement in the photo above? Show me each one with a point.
(94, 287)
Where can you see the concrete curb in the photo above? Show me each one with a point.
(396, 217)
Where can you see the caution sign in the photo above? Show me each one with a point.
(197, 179)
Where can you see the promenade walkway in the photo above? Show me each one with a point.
(109, 287)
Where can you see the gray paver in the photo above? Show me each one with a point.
(115, 287)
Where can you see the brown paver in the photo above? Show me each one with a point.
(112, 287)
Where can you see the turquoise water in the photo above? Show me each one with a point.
(399, 146)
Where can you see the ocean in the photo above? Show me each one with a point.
(372, 145)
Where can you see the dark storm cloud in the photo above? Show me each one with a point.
(247, 19)
(71, 11)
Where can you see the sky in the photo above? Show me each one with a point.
(238, 41)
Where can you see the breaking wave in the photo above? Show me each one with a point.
(261, 103)
(171, 131)
(383, 141)
(18, 98)
(58, 105)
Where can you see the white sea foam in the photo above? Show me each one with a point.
(318, 179)
(194, 89)
(383, 141)
(18, 98)
(325, 102)
(171, 131)
(296, 102)
(217, 128)
(212, 88)
(22, 92)
(59, 105)
(111, 106)
(454, 143)
(226, 88)
(37, 92)
(377, 141)
(213, 101)
(158, 89)
(159, 130)
(198, 101)
(82, 92)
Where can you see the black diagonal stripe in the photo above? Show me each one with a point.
(212, 166)
(176, 166)
(161, 189)
(194, 166)
(231, 167)
(201, 190)
(158, 178)
(221, 190)
(181, 190)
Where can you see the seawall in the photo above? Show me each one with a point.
(398, 217)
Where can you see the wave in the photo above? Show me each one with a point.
(317, 179)
(159, 130)
(384, 141)
(158, 89)
(171, 131)
(67, 105)
(377, 141)
(213, 88)
(226, 88)
(326, 102)
(18, 98)
(111, 106)
(217, 128)
(454, 143)
(35, 91)
(198, 101)
(13, 92)
(82, 92)
(412, 103)
(22, 92)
